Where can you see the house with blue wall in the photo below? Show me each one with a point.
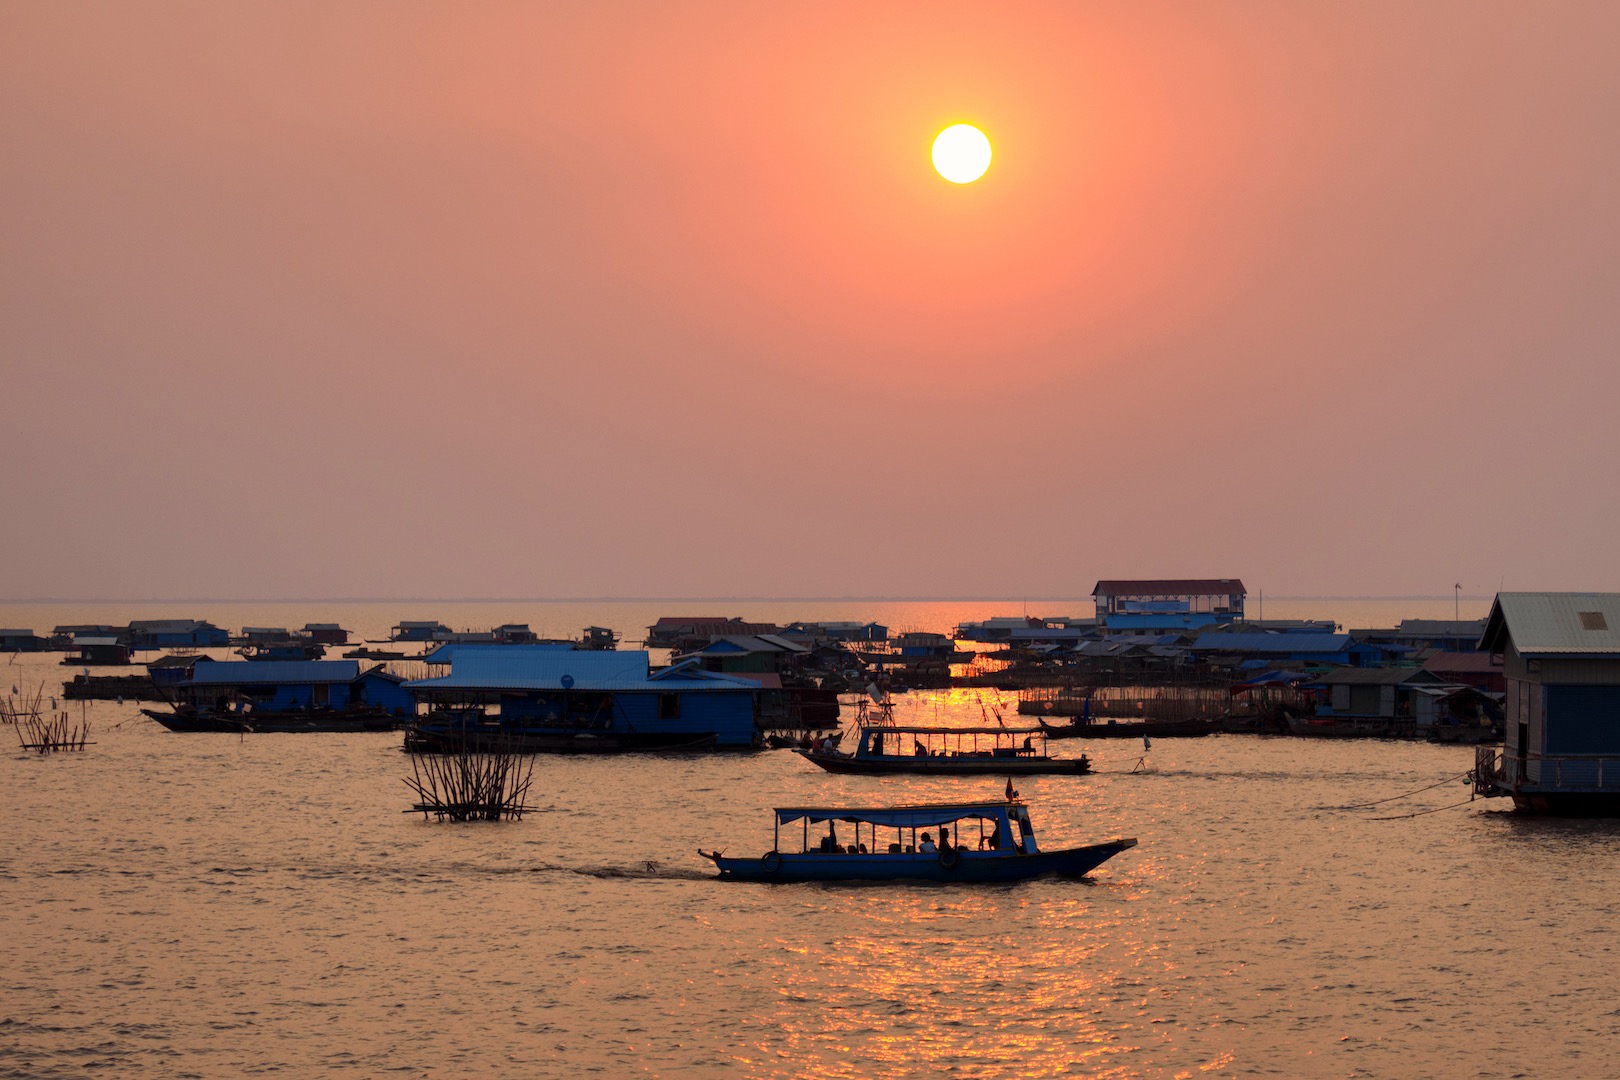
(20, 641)
(536, 688)
(283, 685)
(1560, 656)
(1167, 605)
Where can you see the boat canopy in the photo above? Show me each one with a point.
(916, 730)
(902, 817)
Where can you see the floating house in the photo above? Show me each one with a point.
(100, 650)
(285, 685)
(326, 633)
(20, 641)
(1481, 670)
(1382, 701)
(576, 692)
(419, 631)
(175, 633)
(753, 654)
(1169, 604)
(1286, 650)
(599, 637)
(683, 633)
(176, 668)
(514, 634)
(1560, 655)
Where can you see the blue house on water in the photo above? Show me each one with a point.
(614, 696)
(284, 685)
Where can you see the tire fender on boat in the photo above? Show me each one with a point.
(949, 857)
(771, 862)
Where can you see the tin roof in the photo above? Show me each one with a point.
(1554, 624)
(1171, 587)
(274, 672)
(1273, 643)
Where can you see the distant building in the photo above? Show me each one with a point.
(683, 633)
(419, 631)
(751, 654)
(1168, 604)
(20, 641)
(1292, 649)
(1560, 656)
(175, 633)
(326, 633)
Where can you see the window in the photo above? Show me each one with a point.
(669, 706)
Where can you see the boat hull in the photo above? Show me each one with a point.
(202, 720)
(970, 867)
(940, 765)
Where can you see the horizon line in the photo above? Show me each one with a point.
(682, 599)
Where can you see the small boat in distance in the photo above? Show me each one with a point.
(948, 751)
(1003, 849)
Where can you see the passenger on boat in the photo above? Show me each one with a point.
(944, 837)
(918, 748)
(927, 844)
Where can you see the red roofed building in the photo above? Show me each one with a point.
(1168, 603)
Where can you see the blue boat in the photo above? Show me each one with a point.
(993, 841)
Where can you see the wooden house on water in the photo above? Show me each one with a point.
(1560, 655)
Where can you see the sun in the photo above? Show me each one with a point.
(961, 153)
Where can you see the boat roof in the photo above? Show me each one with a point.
(900, 816)
(920, 729)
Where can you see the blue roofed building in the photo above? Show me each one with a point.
(1167, 605)
(285, 685)
(614, 697)
(175, 633)
(1337, 650)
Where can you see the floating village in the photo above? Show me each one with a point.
(1532, 686)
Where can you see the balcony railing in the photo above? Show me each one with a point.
(1496, 771)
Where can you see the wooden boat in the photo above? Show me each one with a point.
(941, 751)
(186, 718)
(994, 841)
(1132, 729)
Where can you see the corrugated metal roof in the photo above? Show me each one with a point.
(274, 672)
(1550, 624)
(530, 667)
(1273, 643)
(1171, 587)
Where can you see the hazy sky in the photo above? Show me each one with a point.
(372, 299)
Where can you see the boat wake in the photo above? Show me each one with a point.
(650, 870)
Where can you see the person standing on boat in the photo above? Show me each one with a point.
(944, 838)
(927, 844)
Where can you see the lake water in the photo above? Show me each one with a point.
(215, 905)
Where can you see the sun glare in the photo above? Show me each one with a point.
(961, 153)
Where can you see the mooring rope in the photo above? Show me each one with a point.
(1392, 798)
(1420, 813)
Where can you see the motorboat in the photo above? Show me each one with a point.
(992, 841)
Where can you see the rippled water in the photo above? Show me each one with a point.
(207, 905)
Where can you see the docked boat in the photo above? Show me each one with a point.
(1085, 728)
(992, 841)
(187, 718)
(942, 751)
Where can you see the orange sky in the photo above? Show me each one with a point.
(386, 298)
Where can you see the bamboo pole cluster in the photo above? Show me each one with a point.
(42, 731)
(482, 785)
